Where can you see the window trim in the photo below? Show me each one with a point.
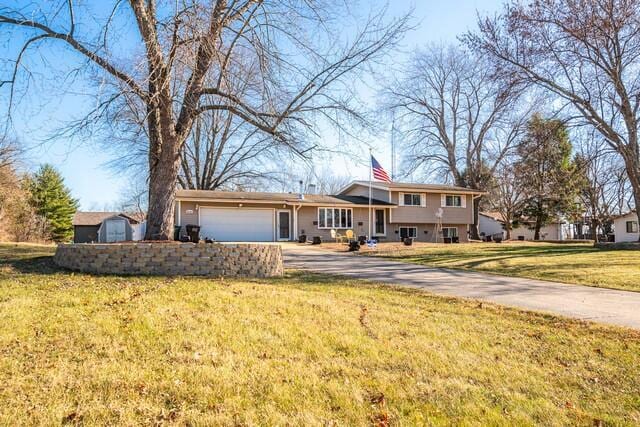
(404, 202)
(408, 226)
(333, 227)
(449, 228)
(459, 196)
(630, 227)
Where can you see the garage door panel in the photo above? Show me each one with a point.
(228, 225)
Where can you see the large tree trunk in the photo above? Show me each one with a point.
(163, 177)
(538, 226)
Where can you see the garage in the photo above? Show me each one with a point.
(237, 225)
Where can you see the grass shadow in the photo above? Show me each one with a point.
(28, 259)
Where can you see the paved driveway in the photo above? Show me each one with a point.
(582, 302)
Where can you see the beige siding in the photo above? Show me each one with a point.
(307, 215)
(427, 214)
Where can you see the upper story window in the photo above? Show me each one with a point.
(335, 217)
(632, 226)
(412, 199)
(452, 200)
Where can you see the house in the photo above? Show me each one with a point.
(625, 227)
(492, 223)
(399, 210)
(107, 227)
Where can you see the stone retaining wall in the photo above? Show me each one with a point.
(618, 245)
(188, 259)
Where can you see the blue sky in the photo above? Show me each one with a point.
(84, 165)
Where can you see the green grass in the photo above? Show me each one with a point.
(301, 350)
(569, 263)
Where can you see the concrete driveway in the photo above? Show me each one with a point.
(614, 307)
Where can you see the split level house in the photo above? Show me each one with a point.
(424, 212)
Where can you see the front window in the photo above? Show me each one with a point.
(334, 217)
(453, 201)
(449, 232)
(632, 226)
(412, 199)
(411, 232)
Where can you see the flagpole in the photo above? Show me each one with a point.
(370, 237)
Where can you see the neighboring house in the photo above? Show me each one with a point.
(625, 227)
(491, 223)
(398, 210)
(107, 227)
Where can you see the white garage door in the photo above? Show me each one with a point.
(237, 225)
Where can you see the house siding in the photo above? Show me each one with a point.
(85, 233)
(620, 228)
(308, 214)
(548, 232)
(489, 226)
(187, 218)
(427, 214)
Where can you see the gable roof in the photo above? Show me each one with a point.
(96, 218)
(409, 186)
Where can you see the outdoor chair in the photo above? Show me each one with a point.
(336, 236)
(350, 235)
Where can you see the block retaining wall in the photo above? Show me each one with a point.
(180, 259)
(618, 245)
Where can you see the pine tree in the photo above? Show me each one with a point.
(52, 201)
(546, 172)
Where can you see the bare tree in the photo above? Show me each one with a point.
(604, 181)
(457, 119)
(9, 152)
(587, 53)
(223, 152)
(507, 197)
(189, 50)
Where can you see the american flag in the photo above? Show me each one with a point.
(378, 172)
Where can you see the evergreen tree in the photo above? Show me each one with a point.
(52, 201)
(546, 172)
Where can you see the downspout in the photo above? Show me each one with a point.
(296, 208)
(473, 214)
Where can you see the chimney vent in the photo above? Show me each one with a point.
(301, 195)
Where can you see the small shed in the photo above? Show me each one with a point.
(107, 227)
(626, 227)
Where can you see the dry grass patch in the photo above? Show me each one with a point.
(302, 350)
(569, 263)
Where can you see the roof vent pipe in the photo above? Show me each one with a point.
(301, 195)
(312, 189)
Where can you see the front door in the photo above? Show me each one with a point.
(379, 223)
(284, 225)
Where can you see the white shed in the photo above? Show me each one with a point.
(625, 227)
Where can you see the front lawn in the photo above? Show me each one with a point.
(570, 263)
(302, 350)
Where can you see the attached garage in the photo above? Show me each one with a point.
(237, 225)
